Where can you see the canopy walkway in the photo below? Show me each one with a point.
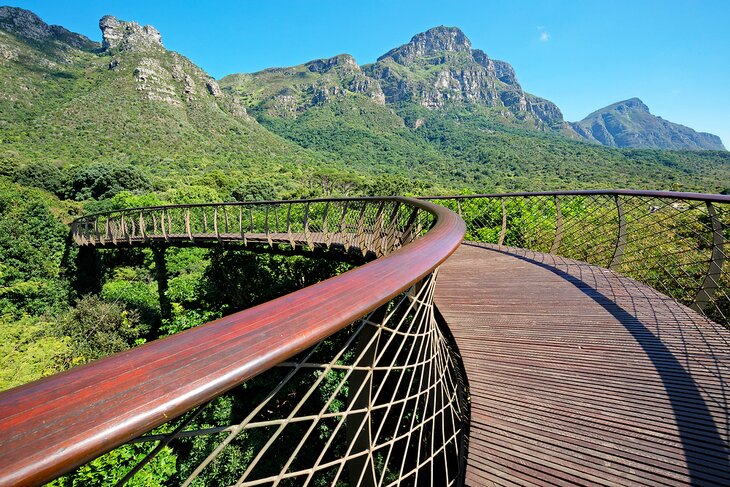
(575, 338)
(579, 375)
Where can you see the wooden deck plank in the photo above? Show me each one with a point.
(581, 376)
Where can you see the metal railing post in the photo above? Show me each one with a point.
(558, 227)
(618, 252)
(714, 269)
(503, 232)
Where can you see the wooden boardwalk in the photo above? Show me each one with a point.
(580, 376)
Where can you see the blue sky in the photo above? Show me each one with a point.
(582, 55)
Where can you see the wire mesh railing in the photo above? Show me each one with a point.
(376, 226)
(351, 381)
(674, 242)
(376, 404)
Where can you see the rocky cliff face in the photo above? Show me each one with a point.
(429, 43)
(127, 36)
(439, 66)
(28, 26)
(159, 75)
(630, 124)
(348, 75)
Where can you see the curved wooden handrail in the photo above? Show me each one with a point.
(53, 425)
(714, 198)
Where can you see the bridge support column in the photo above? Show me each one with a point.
(717, 256)
(88, 275)
(158, 252)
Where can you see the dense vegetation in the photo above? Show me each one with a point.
(465, 147)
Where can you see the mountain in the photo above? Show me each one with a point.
(629, 123)
(438, 67)
(432, 115)
(442, 111)
(331, 106)
(28, 26)
(288, 91)
(67, 100)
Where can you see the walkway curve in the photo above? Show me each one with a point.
(577, 374)
(50, 426)
(581, 376)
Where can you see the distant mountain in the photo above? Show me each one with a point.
(629, 123)
(28, 26)
(436, 69)
(331, 106)
(439, 70)
(288, 91)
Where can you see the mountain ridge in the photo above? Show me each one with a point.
(27, 24)
(439, 67)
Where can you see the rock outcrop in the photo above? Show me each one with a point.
(159, 75)
(121, 35)
(629, 123)
(429, 43)
(27, 25)
(439, 66)
(348, 74)
(292, 90)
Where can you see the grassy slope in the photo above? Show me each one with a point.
(80, 111)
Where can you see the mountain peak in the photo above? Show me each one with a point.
(631, 104)
(442, 38)
(24, 23)
(434, 40)
(324, 65)
(127, 35)
(629, 123)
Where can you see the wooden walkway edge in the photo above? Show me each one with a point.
(580, 376)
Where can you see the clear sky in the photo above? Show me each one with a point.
(582, 55)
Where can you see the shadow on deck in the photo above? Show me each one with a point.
(580, 375)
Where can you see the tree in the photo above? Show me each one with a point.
(103, 180)
(255, 190)
(42, 175)
(98, 328)
(32, 245)
(331, 182)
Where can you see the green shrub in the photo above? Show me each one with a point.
(255, 190)
(41, 175)
(103, 180)
(97, 328)
(27, 351)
